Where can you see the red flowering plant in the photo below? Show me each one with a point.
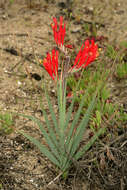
(64, 137)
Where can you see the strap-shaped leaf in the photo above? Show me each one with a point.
(52, 113)
(69, 113)
(51, 130)
(76, 119)
(45, 134)
(75, 141)
(42, 148)
(80, 153)
(66, 163)
(57, 128)
(73, 125)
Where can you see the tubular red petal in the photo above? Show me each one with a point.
(59, 34)
(51, 63)
(87, 54)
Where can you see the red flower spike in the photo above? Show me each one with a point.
(59, 34)
(51, 64)
(87, 54)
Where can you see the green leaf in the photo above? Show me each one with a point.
(69, 113)
(76, 118)
(98, 117)
(43, 149)
(46, 136)
(50, 130)
(52, 113)
(81, 128)
(50, 127)
(79, 154)
(73, 140)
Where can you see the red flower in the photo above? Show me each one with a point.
(59, 34)
(51, 64)
(87, 54)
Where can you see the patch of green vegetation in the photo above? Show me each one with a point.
(11, 1)
(122, 70)
(123, 44)
(6, 124)
(122, 115)
(86, 28)
(118, 53)
(1, 186)
(111, 52)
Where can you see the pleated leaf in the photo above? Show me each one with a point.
(76, 119)
(80, 153)
(53, 116)
(43, 149)
(45, 134)
(50, 130)
(75, 141)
